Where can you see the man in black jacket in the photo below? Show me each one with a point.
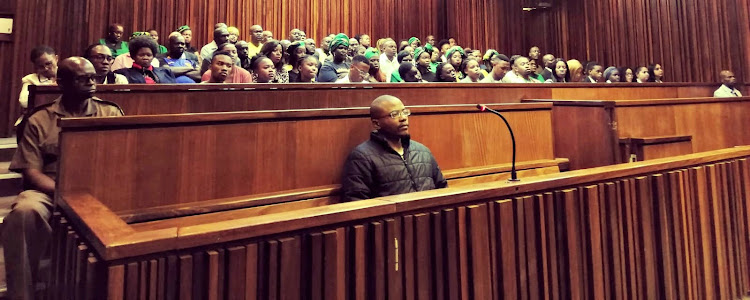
(390, 163)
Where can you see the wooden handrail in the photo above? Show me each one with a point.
(113, 241)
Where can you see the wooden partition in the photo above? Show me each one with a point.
(161, 161)
(588, 131)
(674, 228)
(194, 98)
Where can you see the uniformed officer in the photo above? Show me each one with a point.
(27, 231)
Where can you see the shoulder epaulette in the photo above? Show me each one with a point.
(108, 103)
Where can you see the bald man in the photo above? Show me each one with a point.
(267, 36)
(221, 36)
(548, 61)
(390, 163)
(256, 40)
(521, 72)
(27, 231)
(728, 85)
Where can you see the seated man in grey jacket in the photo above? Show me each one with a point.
(390, 163)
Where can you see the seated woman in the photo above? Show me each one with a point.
(307, 69)
(263, 68)
(424, 59)
(409, 72)
(142, 49)
(274, 51)
(560, 73)
(535, 71)
(403, 56)
(295, 51)
(376, 75)
(642, 75)
(487, 61)
(470, 69)
(45, 72)
(576, 70)
(434, 57)
(611, 74)
(446, 72)
(626, 74)
(455, 57)
(656, 73)
(414, 42)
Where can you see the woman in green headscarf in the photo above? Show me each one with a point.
(373, 56)
(455, 57)
(423, 59)
(414, 42)
(434, 57)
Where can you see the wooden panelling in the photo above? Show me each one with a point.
(221, 155)
(640, 32)
(668, 228)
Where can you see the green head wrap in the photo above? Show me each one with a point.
(371, 52)
(418, 52)
(139, 33)
(453, 50)
(429, 48)
(489, 54)
(413, 39)
(183, 28)
(339, 39)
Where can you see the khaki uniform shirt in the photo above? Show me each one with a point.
(38, 147)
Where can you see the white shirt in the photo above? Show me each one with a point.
(346, 80)
(119, 79)
(32, 79)
(724, 92)
(388, 66)
(209, 49)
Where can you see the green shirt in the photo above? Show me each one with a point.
(117, 51)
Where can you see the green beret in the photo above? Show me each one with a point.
(429, 48)
(418, 52)
(413, 39)
(183, 28)
(489, 54)
(139, 33)
(450, 52)
(371, 52)
(339, 39)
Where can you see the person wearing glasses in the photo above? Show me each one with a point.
(359, 71)
(26, 233)
(390, 163)
(101, 57)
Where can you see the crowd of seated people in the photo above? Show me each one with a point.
(263, 59)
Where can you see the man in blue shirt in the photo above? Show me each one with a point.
(183, 64)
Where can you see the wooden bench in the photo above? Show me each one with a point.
(136, 162)
(588, 132)
(644, 148)
(672, 228)
(195, 98)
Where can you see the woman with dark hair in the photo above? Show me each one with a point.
(656, 73)
(403, 56)
(376, 75)
(446, 72)
(45, 72)
(424, 59)
(626, 74)
(295, 51)
(307, 68)
(142, 50)
(642, 75)
(455, 57)
(470, 69)
(560, 72)
(263, 68)
(274, 51)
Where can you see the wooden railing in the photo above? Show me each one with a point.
(674, 228)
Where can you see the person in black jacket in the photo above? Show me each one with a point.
(390, 163)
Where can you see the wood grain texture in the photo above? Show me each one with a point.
(655, 229)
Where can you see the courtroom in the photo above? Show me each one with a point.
(362, 150)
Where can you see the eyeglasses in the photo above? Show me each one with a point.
(102, 57)
(395, 114)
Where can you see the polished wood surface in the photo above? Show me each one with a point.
(588, 131)
(640, 149)
(666, 228)
(160, 160)
(170, 99)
